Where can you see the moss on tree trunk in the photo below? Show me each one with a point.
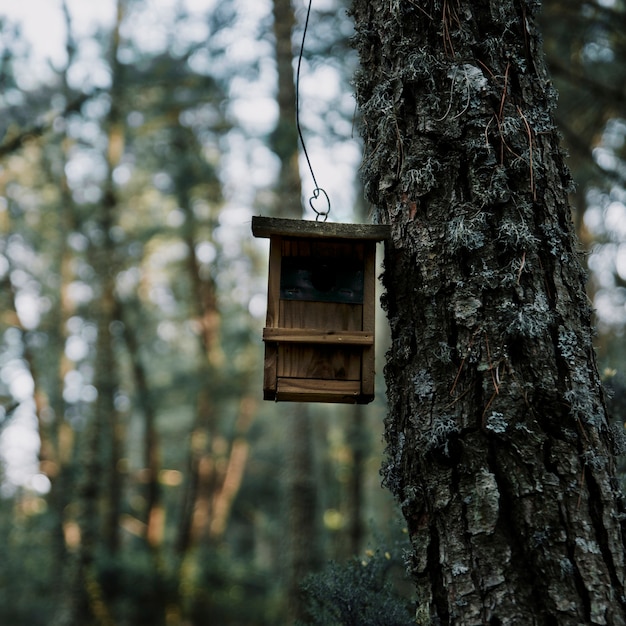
(499, 446)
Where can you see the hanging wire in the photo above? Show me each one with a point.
(318, 191)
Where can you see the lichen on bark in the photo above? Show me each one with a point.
(499, 447)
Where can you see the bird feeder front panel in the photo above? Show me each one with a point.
(319, 334)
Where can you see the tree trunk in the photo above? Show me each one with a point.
(357, 437)
(201, 481)
(104, 263)
(499, 446)
(302, 550)
(98, 488)
(285, 136)
(153, 511)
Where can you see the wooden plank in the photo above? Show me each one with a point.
(296, 247)
(273, 284)
(310, 390)
(369, 320)
(307, 335)
(270, 371)
(336, 316)
(369, 289)
(272, 227)
(327, 362)
(338, 249)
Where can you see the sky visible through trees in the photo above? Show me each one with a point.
(247, 163)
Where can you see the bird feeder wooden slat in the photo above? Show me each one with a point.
(319, 334)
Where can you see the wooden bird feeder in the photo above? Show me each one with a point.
(319, 334)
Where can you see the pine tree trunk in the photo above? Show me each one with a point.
(357, 439)
(202, 478)
(152, 512)
(285, 136)
(499, 446)
(104, 264)
(98, 488)
(302, 550)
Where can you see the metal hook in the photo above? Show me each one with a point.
(315, 196)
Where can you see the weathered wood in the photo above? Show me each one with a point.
(369, 320)
(324, 361)
(273, 307)
(320, 315)
(273, 285)
(273, 227)
(270, 371)
(324, 334)
(308, 390)
(499, 447)
(310, 335)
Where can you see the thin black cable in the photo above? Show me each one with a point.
(318, 190)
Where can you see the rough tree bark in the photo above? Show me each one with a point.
(499, 446)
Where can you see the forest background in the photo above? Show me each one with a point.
(137, 454)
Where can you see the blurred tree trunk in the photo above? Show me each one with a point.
(216, 465)
(98, 494)
(152, 514)
(301, 493)
(284, 139)
(358, 443)
(499, 447)
(232, 468)
(57, 445)
(56, 452)
(303, 555)
(204, 311)
(106, 265)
